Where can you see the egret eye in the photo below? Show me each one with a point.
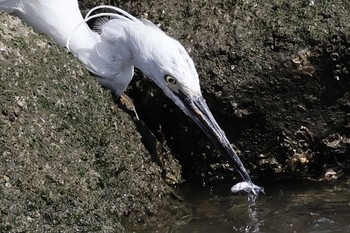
(170, 80)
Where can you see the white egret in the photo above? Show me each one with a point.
(122, 43)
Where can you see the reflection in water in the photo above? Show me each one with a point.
(254, 219)
(287, 206)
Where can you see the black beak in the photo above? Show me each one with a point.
(199, 111)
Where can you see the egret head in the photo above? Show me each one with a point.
(165, 61)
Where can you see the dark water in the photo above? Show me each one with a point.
(287, 206)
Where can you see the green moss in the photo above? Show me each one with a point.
(20, 43)
(45, 103)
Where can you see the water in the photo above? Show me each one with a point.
(287, 206)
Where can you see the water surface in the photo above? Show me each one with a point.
(287, 206)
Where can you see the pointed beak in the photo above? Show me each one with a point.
(198, 110)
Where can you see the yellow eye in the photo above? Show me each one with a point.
(170, 80)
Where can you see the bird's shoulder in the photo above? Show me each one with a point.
(148, 23)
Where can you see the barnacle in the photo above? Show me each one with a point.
(329, 48)
(335, 39)
(335, 56)
(271, 163)
(301, 61)
(338, 51)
